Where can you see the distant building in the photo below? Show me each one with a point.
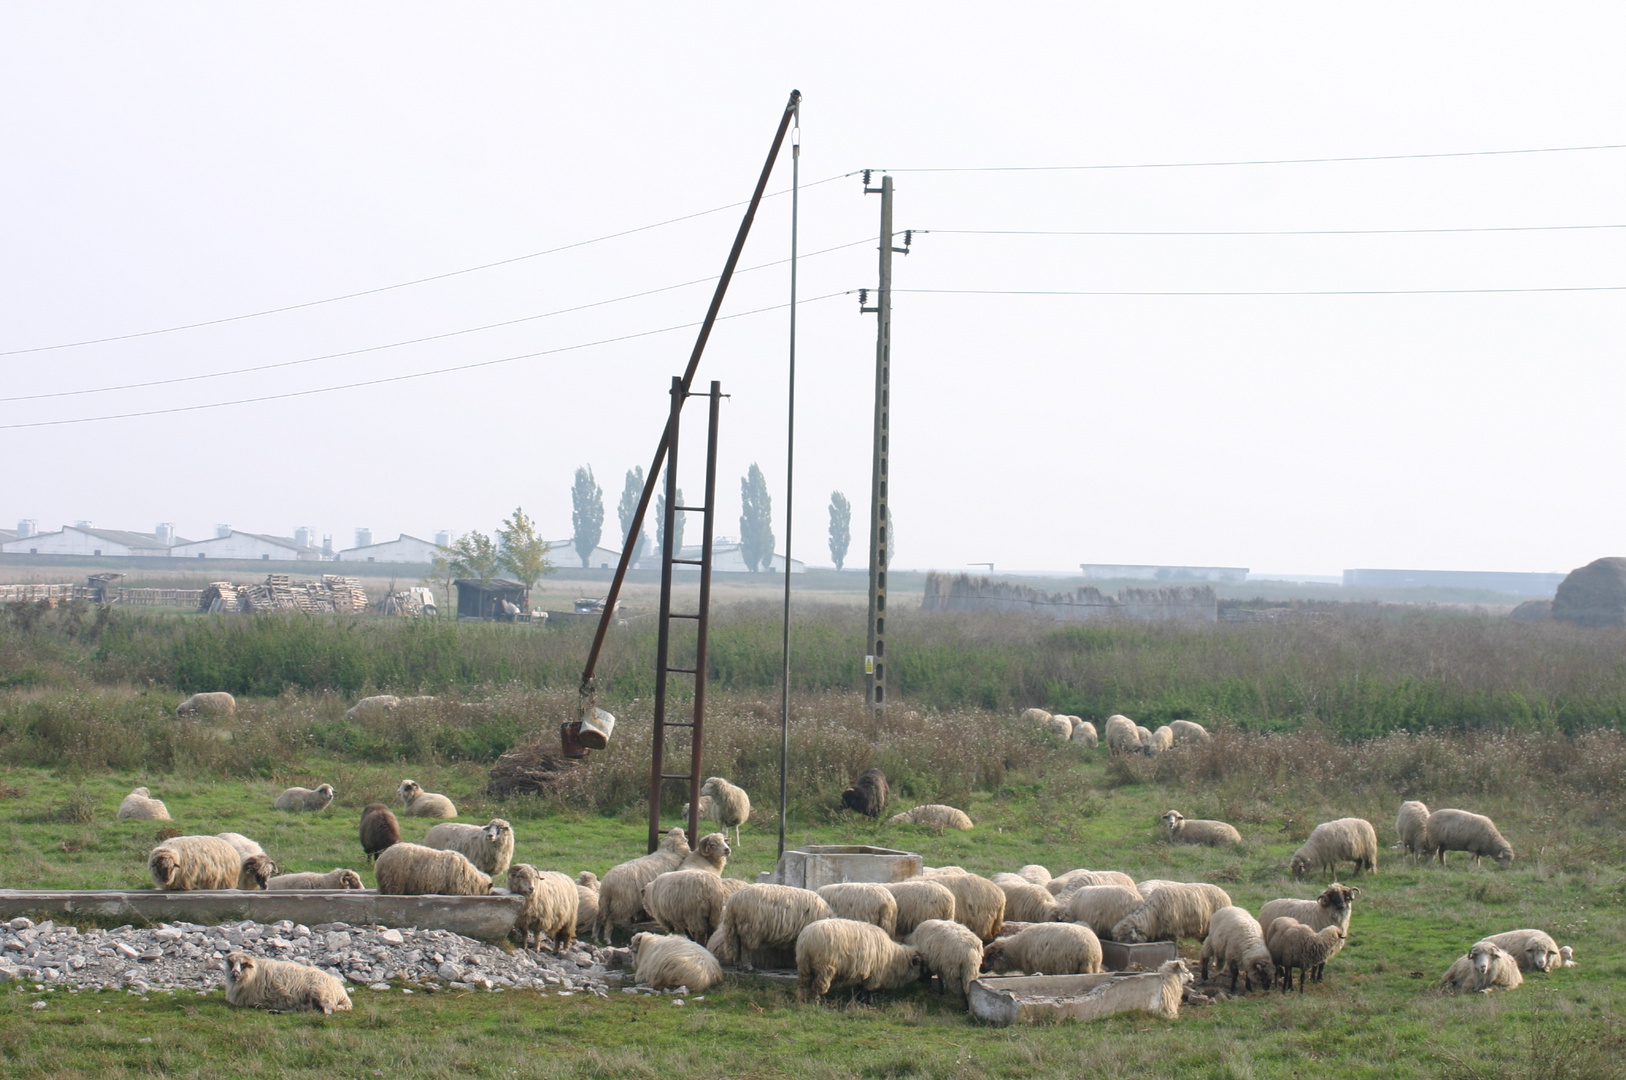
(243, 545)
(81, 540)
(562, 553)
(1512, 582)
(728, 556)
(478, 599)
(1135, 572)
(406, 549)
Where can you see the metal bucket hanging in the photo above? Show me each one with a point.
(596, 726)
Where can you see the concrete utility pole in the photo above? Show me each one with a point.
(875, 660)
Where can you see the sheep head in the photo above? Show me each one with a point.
(710, 786)
(495, 828)
(675, 842)
(1337, 897)
(1299, 865)
(715, 846)
(1482, 956)
(349, 879)
(522, 878)
(587, 879)
(326, 792)
(239, 967)
(165, 865)
(408, 791)
(141, 791)
(1504, 855)
(1263, 973)
(258, 869)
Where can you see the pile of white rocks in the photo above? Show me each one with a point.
(188, 956)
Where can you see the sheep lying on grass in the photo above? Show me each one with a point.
(621, 895)
(257, 983)
(1333, 842)
(1294, 945)
(490, 847)
(1046, 949)
(550, 906)
(933, 816)
(415, 870)
(949, 951)
(1173, 911)
(689, 902)
(379, 829)
(832, 951)
(920, 901)
(1458, 830)
(1102, 907)
(139, 804)
(1236, 941)
(300, 798)
(668, 962)
(337, 878)
(369, 708)
(762, 917)
(1411, 826)
(1208, 833)
(863, 901)
(1487, 967)
(189, 863)
(1535, 950)
(218, 703)
(1334, 906)
(421, 803)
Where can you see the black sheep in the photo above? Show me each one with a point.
(868, 794)
(379, 829)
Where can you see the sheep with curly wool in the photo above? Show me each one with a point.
(949, 951)
(724, 803)
(1027, 902)
(919, 901)
(710, 854)
(337, 878)
(1236, 941)
(1039, 875)
(420, 803)
(1036, 717)
(372, 708)
(621, 893)
(189, 863)
(550, 910)
(1350, 839)
(846, 951)
(1101, 907)
(1046, 949)
(689, 902)
(1411, 826)
(1062, 886)
(1207, 833)
(863, 901)
(254, 982)
(1059, 726)
(1459, 830)
(490, 847)
(587, 899)
(933, 816)
(667, 962)
(1157, 742)
(140, 804)
(1333, 907)
(1188, 732)
(1485, 968)
(1294, 945)
(1084, 734)
(216, 703)
(243, 845)
(763, 917)
(868, 793)
(978, 904)
(414, 870)
(1122, 736)
(1535, 950)
(1173, 911)
(301, 798)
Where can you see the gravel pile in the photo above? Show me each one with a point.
(188, 956)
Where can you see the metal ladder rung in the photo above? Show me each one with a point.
(676, 615)
(686, 562)
(693, 509)
(681, 670)
(677, 776)
(677, 723)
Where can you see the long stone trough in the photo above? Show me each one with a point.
(484, 918)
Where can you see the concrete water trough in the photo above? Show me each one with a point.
(1145, 956)
(485, 918)
(1033, 999)
(817, 865)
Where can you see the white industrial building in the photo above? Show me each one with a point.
(562, 553)
(231, 544)
(82, 539)
(405, 549)
(728, 555)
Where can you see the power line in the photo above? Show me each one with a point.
(1261, 232)
(1261, 292)
(397, 285)
(401, 378)
(399, 344)
(1261, 161)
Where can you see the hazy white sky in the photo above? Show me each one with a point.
(172, 164)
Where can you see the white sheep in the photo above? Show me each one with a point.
(1487, 967)
(920, 901)
(1459, 830)
(863, 901)
(1046, 949)
(1535, 950)
(1058, 725)
(1332, 842)
(1084, 734)
(832, 951)
(689, 902)
(724, 803)
(372, 707)
(421, 803)
(1236, 941)
(1039, 875)
(1411, 826)
(1333, 907)
(1122, 736)
(978, 904)
(1198, 831)
(550, 910)
(1294, 945)
(337, 878)
(1036, 717)
(1143, 739)
(1148, 887)
(1063, 884)
(243, 845)
(414, 870)
(668, 962)
(621, 894)
(949, 951)
(710, 854)
(490, 847)
(189, 863)
(1188, 731)
(587, 899)
(1102, 907)
(1027, 902)
(218, 703)
(765, 917)
(299, 798)
(1173, 911)
(1158, 741)
(258, 983)
(933, 816)
(139, 804)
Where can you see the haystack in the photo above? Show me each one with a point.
(1594, 595)
(532, 768)
(1532, 611)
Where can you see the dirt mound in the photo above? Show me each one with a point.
(1594, 595)
(1532, 611)
(532, 768)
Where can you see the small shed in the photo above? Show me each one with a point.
(478, 599)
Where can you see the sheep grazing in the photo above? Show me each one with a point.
(920, 901)
(1535, 950)
(1122, 736)
(1143, 739)
(1348, 839)
(337, 878)
(1208, 833)
(1101, 907)
(490, 847)
(550, 910)
(724, 803)
(587, 899)
(1077, 879)
(1487, 967)
(1173, 911)
(979, 904)
(299, 798)
(379, 829)
(710, 855)
(187, 863)
(667, 963)
(254, 982)
(834, 951)
(421, 803)
(1058, 725)
(949, 951)
(143, 807)
(1148, 887)
(1158, 742)
(415, 870)
(1294, 945)
(1036, 717)
(1039, 875)
(218, 703)
(1458, 830)
(1027, 902)
(1236, 941)
(1046, 949)
(621, 896)
(245, 847)
(689, 902)
(933, 816)
(1188, 731)
(868, 794)
(863, 901)
(1411, 826)
(1333, 907)
(1084, 734)
(369, 708)
(765, 917)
